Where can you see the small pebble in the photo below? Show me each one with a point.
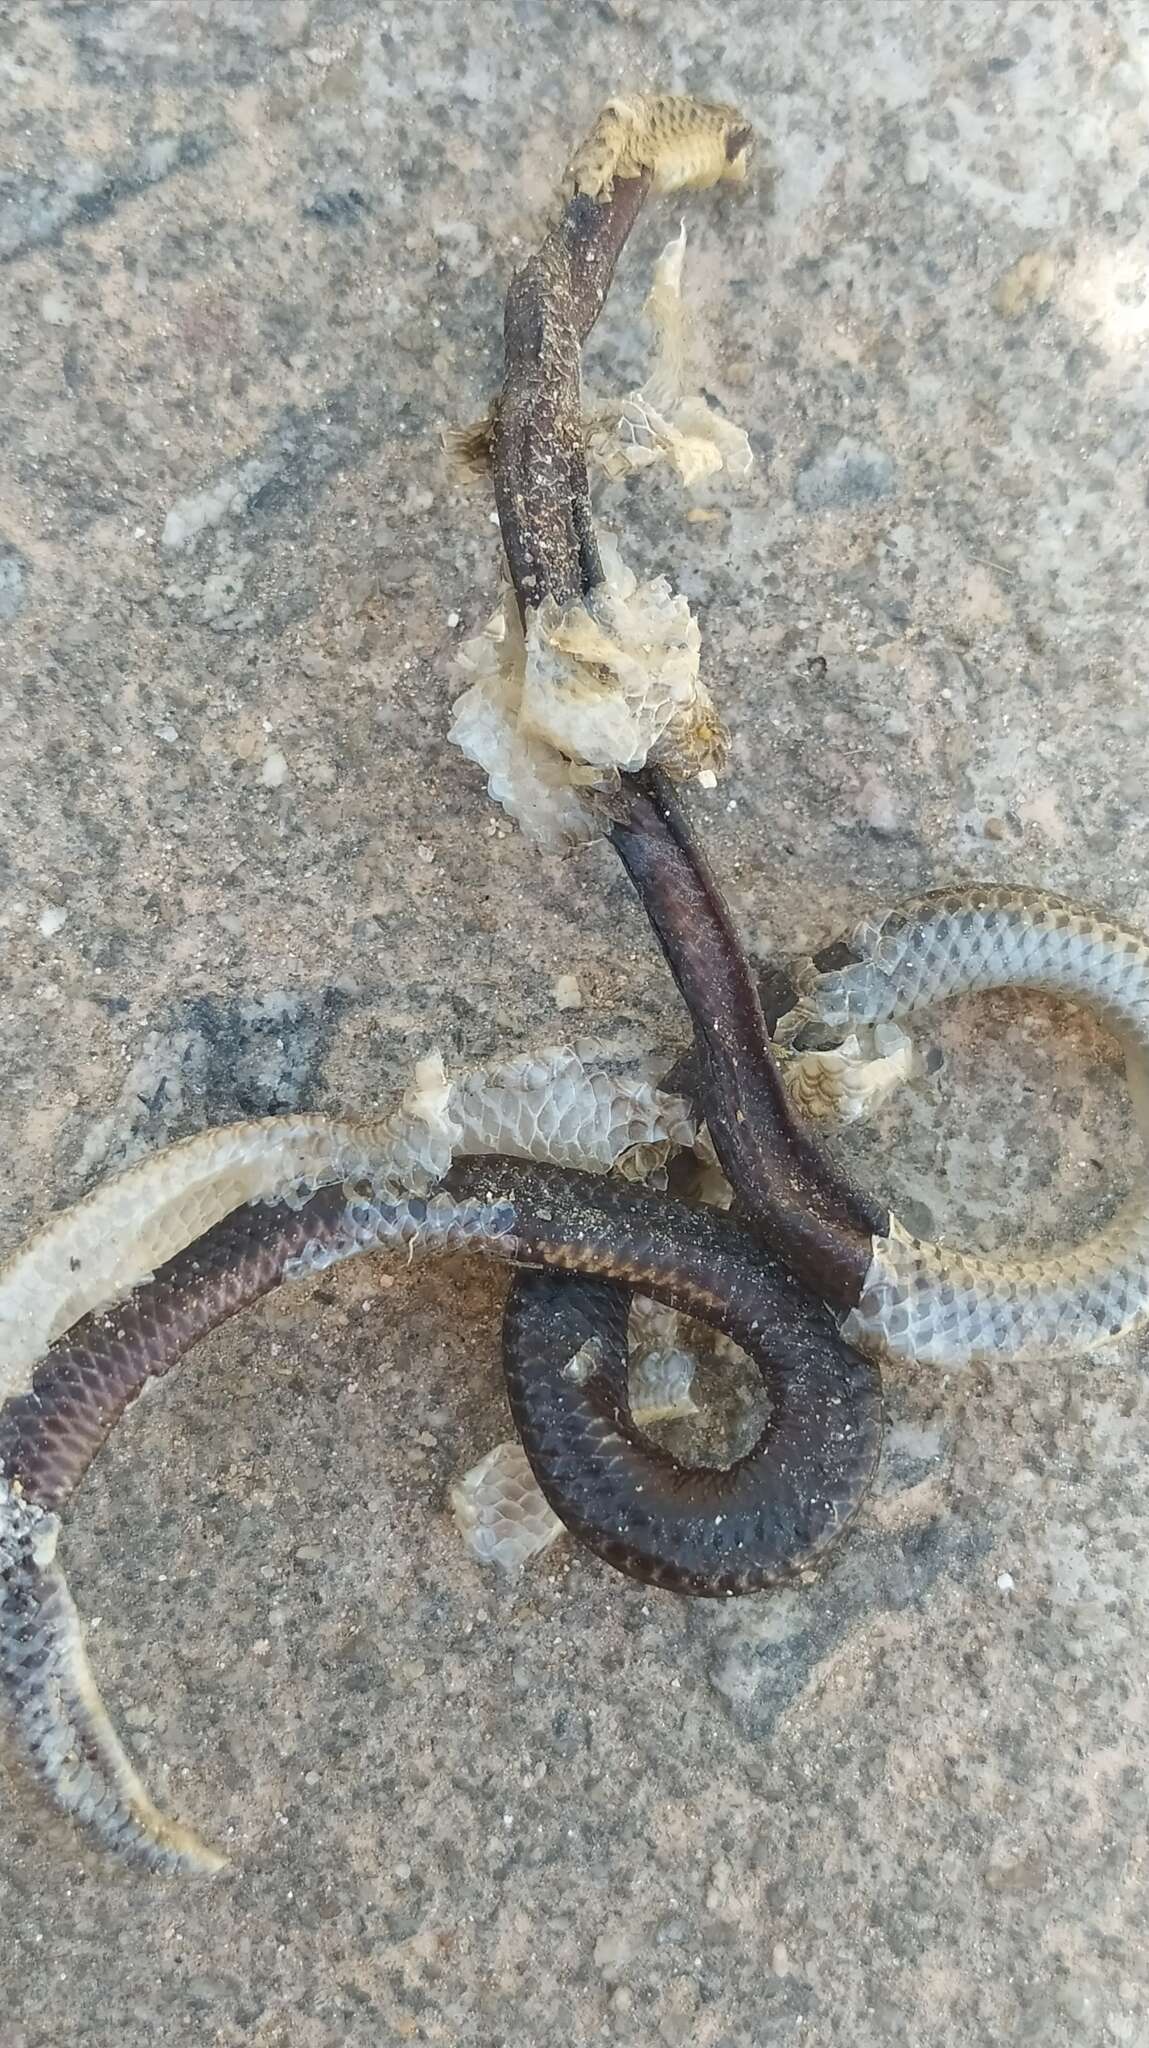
(1005, 1582)
(12, 582)
(916, 167)
(877, 808)
(1029, 283)
(56, 310)
(567, 993)
(274, 771)
(52, 920)
(843, 474)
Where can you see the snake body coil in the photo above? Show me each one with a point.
(764, 1519)
(928, 1301)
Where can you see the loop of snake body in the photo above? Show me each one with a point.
(766, 1519)
(812, 1277)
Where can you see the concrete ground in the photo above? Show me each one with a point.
(254, 257)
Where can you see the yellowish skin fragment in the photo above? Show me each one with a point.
(684, 145)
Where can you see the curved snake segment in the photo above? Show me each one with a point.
(549, 1107)
(500, 1511)
(80, 1388)
(762, 1521)
(942, 1306)
(795, 1195)
(54, 1713)
(783, 1504)
(49, 1435)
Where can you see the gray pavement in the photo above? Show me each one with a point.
(254, 257)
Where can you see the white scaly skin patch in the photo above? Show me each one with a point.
(664, 420)
(552, 1108)
(589, 691)
(841, 1085)
(928, 1302)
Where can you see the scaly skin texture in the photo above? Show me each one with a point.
(784, 1504)
(934, 1303)
(54, 1715)
(759, 1522)
(550, 1107)
(803, 1205)
(680, 144)
(51, 1705)
(50, 1434)
(536, 437)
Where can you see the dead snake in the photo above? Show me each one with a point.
(804, 1250)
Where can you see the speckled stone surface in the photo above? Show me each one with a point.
(252, 260)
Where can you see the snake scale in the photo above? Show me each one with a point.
(538, 1163)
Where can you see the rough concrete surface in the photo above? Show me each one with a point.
(254, 253)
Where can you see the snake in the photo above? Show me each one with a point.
(813, 1277)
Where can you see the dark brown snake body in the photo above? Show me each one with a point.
(691, 1529)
